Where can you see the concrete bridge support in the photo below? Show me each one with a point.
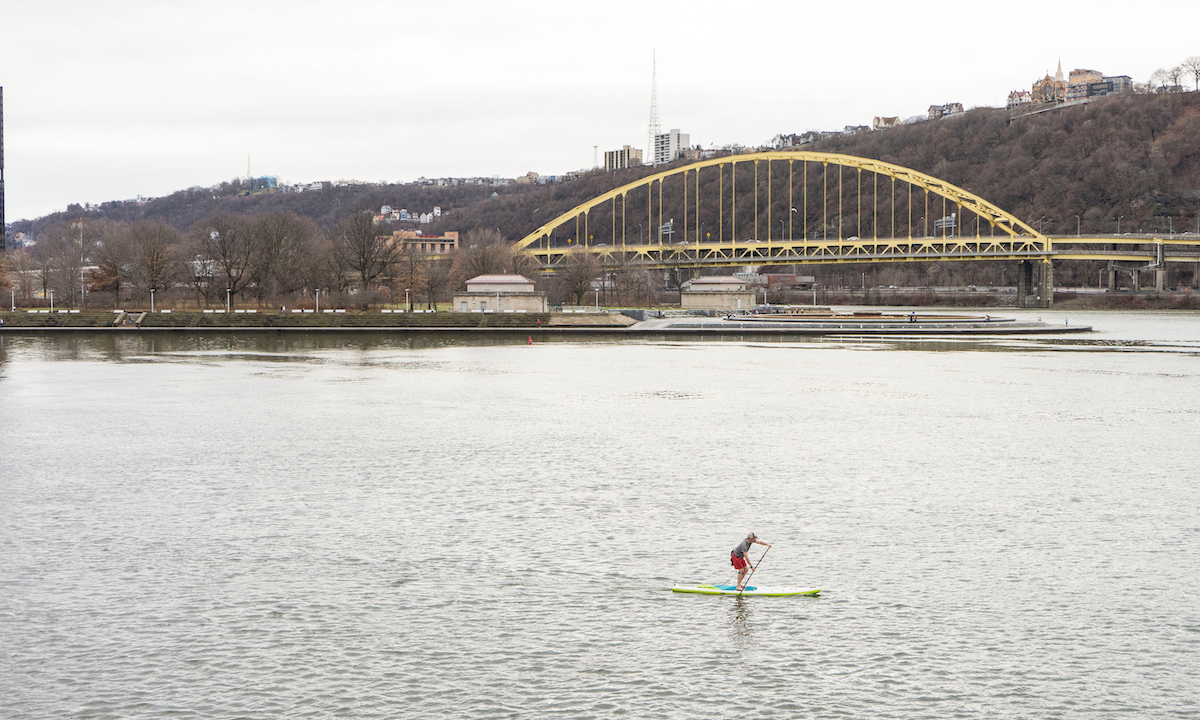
(1035, 284)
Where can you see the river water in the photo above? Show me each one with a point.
(394, 526)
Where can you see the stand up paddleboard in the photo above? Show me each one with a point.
(750, 590)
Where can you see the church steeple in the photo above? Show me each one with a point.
(1058, 76)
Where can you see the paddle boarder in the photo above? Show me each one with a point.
(740, 561)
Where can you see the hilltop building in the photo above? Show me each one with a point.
(1078, 81)
(622, 159)
(1050, 89)
(1080, 86)
(670, 145)
(937, 112)
(1017, 98)
(882, 123)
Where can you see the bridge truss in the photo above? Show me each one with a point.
(794, 207)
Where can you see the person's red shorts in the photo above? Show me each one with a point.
(738, 562)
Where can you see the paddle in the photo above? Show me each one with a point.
(753, 570)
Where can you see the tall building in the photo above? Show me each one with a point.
(626, 157)
(3, 229)
(670, 145)
(1080, 79)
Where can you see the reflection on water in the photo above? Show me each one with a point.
(740, 614)
(440, 526)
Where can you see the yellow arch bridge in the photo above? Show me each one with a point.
(791, 207)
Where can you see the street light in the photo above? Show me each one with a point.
(317, 297)
(151, 299)
(51, 301)
(228, 292)
(1119, 218)
(407, 307)
(1078, 233)
(781, 235)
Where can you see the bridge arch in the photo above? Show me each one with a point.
(575, 231)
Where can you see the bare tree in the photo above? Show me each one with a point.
(5, 282)
(24, 271)
(576, 274)
(1192, 67)
(523, 263)
(286, 253)
(407, 277)
(223, 250)
(1158, 80)
(111, 258)
(66, 246)
(435, 279)
(482, 252)
(156, 259)
(1175, 76)
(359, 248)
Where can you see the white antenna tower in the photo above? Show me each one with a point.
(595, 156)
(654, 128)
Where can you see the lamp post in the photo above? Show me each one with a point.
(1119, 218)
(317, 297)
(51, 301)
(1078, 232)
(228, 293)
(407, 307)
(781, 235)
(151, 299)
(1171, 224)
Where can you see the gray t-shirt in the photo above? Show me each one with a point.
(742, 549)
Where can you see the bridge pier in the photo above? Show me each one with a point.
(1035, 284)
(1112, 276)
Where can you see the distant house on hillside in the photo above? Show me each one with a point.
(937, 112)
(1017, 98)
(881, 123)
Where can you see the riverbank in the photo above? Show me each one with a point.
(1006, 298)
(806, 321)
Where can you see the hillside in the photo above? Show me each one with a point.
(1136, 157)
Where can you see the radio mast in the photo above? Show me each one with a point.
(654, 129)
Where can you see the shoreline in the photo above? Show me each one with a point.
(611, 324)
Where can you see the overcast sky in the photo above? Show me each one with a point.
(111, 100)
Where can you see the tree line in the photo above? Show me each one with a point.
(278, 259)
